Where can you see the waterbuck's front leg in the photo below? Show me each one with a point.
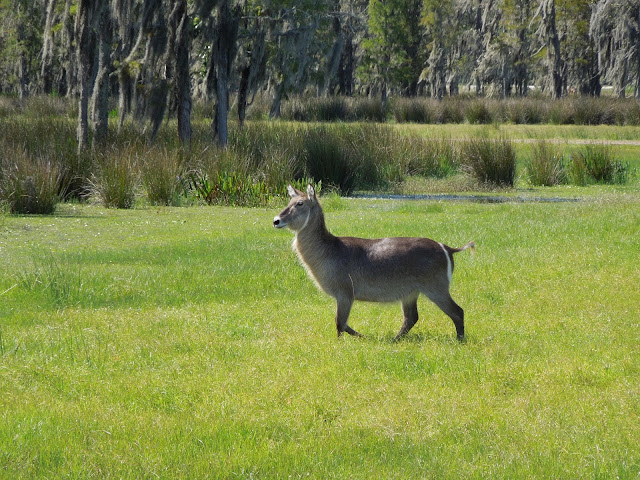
(342, 316)
(410, 312)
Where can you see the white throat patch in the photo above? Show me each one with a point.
(306, 221)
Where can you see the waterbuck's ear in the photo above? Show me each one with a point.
(293, 192)
(311, 193)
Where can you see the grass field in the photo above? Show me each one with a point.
(188, 342)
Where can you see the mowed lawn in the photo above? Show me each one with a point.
(188, 342)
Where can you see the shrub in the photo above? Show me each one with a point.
(490, 161)
(630, 113)
(546, 165)
(224, 177)
(561, 112)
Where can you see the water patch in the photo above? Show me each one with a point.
(468, 198)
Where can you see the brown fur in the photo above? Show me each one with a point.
(374, 270)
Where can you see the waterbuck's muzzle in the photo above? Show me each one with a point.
(278, 223)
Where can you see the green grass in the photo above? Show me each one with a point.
(188, 342)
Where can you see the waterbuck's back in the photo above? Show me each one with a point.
(390, 269)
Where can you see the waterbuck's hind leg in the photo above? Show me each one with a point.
(451, 308)
(410, 313)
(342, 317)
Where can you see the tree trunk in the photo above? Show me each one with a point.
(253, 72)
(278, 94)
(46, 65)
(553, 45)
(100, 98)
(86, 47)
(222, 55)
(182, 77)
(23, 74)
(68, 75)
(345, 71)
(333, 58)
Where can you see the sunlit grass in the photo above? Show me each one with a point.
(192, 344)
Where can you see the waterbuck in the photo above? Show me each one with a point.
(373, 270)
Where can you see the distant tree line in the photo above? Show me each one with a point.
(157, 56)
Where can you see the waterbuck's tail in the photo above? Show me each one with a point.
(470, 245)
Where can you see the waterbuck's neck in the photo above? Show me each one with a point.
(314, 241)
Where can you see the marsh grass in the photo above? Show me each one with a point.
(39, 153)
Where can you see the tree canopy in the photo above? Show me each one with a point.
(156, 56)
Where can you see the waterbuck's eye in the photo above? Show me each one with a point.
(300, 203)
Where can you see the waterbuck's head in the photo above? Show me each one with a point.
(301, 208)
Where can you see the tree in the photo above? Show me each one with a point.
(223, 53)
(252, 62)
(85, 44)
(581, 60)
(615, 29)
(100, 95)
(548, 33)
(391, 50)
(179, 35)
(290, 37)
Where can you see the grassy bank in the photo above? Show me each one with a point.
(187, 342)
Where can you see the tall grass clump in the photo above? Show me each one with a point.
(412, 110)
(61, 283)
(545, 167)
(115, 179)
(30, 184)
(490, 161)
(161, 174)
(450, 110)
(271, 152)
(592, 111)
(436, 157)
(381, 155)
(329, 109)
(326, 158)
(526, 110)
(223, 177)
(477, 111)
(597, 163)
(369, 110)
